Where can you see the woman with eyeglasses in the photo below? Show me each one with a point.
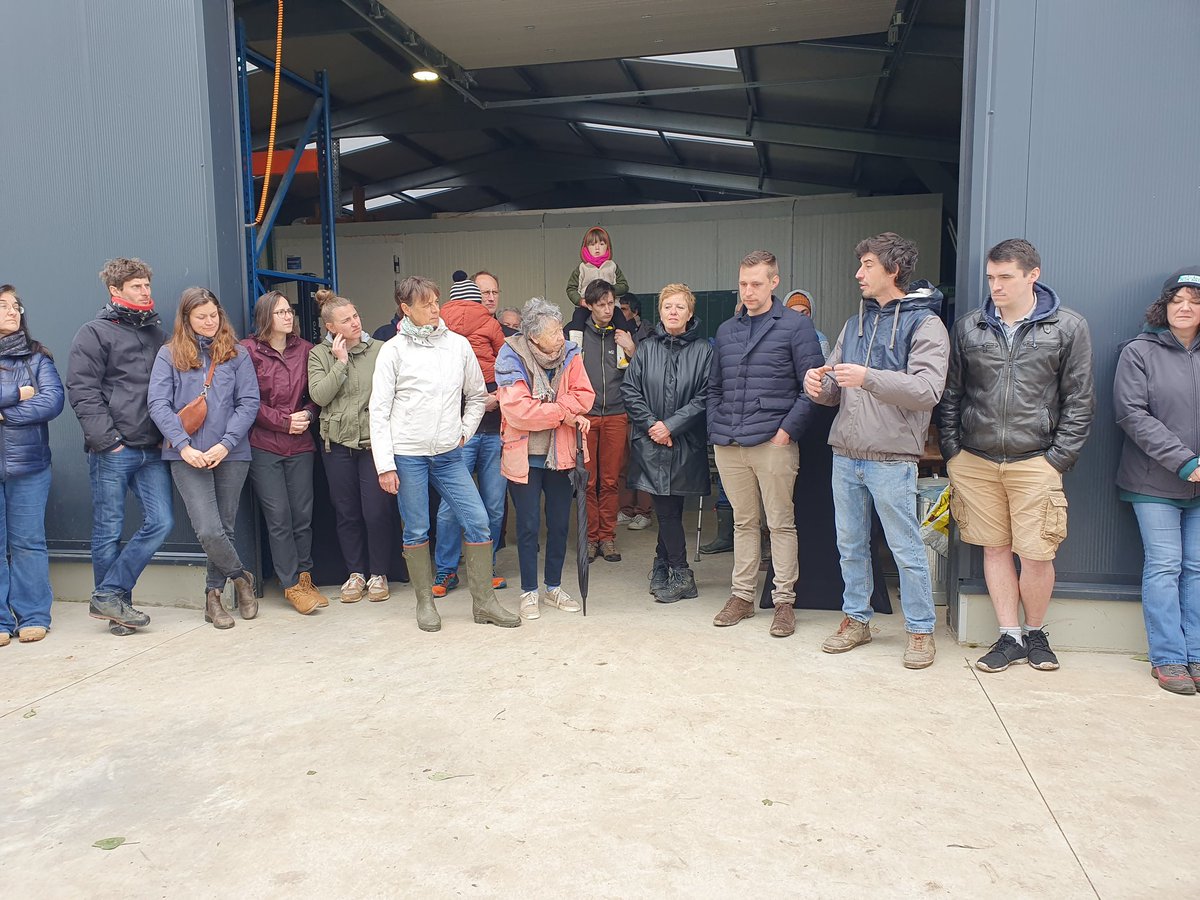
(1155, 403)
(209, 464)
(31, 394)
(281, 446)
(427, 399)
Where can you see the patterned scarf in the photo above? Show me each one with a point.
(545, 373)
(421, 334)
(15, 345)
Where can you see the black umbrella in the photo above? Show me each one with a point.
(579, 478)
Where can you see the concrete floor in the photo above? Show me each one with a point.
(635, 752)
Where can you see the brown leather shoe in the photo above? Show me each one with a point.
(306, 583)
(784, 623)
(302, 601)
(214, 610)
(243, 589)
(734, 611)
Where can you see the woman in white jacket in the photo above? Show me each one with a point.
(427, 398)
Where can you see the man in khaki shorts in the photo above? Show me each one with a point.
(1016, 412)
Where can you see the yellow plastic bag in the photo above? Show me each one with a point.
(935, 528)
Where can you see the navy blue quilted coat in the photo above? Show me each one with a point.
(24, 437)
(756, 386)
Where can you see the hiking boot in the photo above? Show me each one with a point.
(593, 550)
(31, 633)
(243, 590)
(658, 575)
(723, 542)
(377, 589)
(114, 608)
(444, 583)
(850, 634)
(306, 585)
(784, 623)
(1176, 679)
(608, 549)
(680, 585)
(120, 630)
(1004, 652)
(734, 611)
(499, 582)
(560, 599)
(529, 605)
(1037, 643)
(1194, 671)
(5, 638)
(920, 651)
(352, 590)
(214, 610)
(302, 601)
(639, 522)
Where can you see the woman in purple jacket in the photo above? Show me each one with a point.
(208, 466)
(281, 447)
(31, 394)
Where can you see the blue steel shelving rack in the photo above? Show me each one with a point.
(260, 279)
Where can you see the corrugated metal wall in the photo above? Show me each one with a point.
(1091, 155)
(701, 245)
(119, 140)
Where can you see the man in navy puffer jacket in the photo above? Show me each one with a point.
(757, 410)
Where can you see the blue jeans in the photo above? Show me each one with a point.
(114, 569)
(25, 594)
(892, 486)
(527, 500)
(481, 454)
(449, 476)
(1171, 582)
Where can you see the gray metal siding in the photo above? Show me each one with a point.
(1080, 134)
(120, 134)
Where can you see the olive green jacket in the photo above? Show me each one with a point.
(343, 391)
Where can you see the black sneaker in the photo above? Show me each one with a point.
(115, 608)
(658, 575)
(1003, 654)
(1037, 642)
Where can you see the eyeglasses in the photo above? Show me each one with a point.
(5, 306)
(284, 313)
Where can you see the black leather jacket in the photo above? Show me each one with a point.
(1034, 398)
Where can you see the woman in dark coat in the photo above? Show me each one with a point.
(665, 392)
(1154, 400)
(31, 394)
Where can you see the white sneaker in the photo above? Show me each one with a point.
(352, 590)
(638, 522)
(529, 605)
(560, 598)
(623, 519)
(377, 588)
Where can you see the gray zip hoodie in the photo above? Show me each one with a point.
(906, 350)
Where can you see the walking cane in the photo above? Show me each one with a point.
(699, 527)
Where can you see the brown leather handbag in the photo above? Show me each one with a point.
(192, 416)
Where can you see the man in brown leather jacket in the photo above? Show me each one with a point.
(1017, 410)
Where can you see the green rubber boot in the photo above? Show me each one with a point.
(420, 573)
(483, 595)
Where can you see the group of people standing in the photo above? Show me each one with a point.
(446, 397)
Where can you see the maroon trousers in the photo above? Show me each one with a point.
(607, 448)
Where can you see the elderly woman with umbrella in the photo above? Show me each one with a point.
(544, 396)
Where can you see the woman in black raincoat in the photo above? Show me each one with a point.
(665, 391)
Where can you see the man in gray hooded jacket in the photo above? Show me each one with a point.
(886, 372)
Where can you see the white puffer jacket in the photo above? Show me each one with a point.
(417, 397)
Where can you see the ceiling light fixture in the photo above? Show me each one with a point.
(425, 75)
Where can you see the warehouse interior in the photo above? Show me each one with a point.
(649, 103)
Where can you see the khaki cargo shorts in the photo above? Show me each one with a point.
(1017, 504)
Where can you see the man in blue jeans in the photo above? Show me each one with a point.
(466, 314)
(886, 373)
(107, 377)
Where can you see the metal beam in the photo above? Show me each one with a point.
(302, 18)
(411, 118)
(939, 180)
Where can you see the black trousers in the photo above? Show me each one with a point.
(672, 546)
(362, 508)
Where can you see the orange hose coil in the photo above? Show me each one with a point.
(262, 203)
